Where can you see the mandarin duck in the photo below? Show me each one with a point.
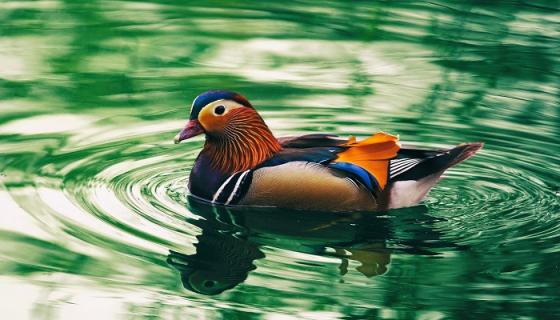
(243, 163)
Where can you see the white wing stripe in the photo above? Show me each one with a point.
(404, 163)
(237, 184)
(400, 160)
(403, 166)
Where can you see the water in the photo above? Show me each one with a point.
(92, 190)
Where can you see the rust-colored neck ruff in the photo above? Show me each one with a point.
(245, 142)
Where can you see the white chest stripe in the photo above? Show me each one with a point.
(217, 194)
(237, 184)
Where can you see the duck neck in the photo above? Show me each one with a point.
(243, 145)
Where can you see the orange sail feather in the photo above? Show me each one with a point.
(372, 154)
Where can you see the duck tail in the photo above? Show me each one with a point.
(464, 151)
(414, 164)
(414, 172)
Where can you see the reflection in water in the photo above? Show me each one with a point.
(230, 239)
(223, 259)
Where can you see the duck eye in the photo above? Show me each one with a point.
(219, 110)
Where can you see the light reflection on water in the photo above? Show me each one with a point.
(92, 190)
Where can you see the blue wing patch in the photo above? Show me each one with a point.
(360, 173)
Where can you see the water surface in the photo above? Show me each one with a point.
(94, 215)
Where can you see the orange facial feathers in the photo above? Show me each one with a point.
(372, 154)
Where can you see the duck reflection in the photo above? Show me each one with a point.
(221, 261)
(231, 237)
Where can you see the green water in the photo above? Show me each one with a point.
(93, 191)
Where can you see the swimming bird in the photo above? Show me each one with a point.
(243, 163)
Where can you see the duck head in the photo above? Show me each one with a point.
(237, 138)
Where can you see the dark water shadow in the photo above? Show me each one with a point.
(231, 239)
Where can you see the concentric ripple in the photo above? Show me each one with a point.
(126, 197)
(497, 200)
(140, 196)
